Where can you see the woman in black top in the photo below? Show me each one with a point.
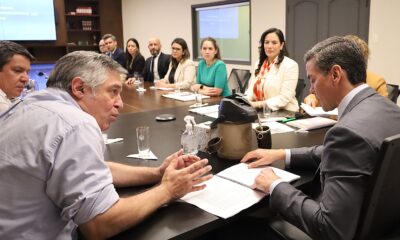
(134, 59)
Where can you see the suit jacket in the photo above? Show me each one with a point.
(346, 161)
(279, 86)
(136, 66)
(185, 74)
(162, 67)
(119, 56)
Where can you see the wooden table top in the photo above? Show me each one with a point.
(152, 99)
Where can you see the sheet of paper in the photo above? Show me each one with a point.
(229, 192)
(312, 123)
(113, 140)
(183, 96)
(318, 111)
(275, 127)
(165, 88)
(205, 110)
(240, 173)
(150, 156)
(223, 198)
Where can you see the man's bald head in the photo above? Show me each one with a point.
(154, 46)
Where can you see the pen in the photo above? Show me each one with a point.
(288, 119)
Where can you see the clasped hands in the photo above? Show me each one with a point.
(182, 174)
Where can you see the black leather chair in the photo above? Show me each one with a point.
(380, 212)
(299, 90)
(393, 92)
(239, 80)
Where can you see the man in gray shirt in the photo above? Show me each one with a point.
(53, 177)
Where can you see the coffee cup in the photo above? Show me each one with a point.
(214, 145)
(263, 134)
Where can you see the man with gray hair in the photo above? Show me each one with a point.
(345, 162)
(53, 177)
(15, 63)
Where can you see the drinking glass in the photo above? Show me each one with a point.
(140, 84)
(143, 140)
(198, 99)
(266, 111)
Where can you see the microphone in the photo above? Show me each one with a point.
(41, 74)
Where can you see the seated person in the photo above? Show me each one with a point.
(182, 71)
(211, 73)
(157, 65)
(56, 180)
(113, 50)
(373, 80)
(345, 162)
(15, 63)
(275, 77)
(134, 59)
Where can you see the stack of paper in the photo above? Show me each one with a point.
(312, 123)
(212, 109)
(183, 96)
(229, 192)
(318, 111)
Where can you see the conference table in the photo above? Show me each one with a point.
(178, 219)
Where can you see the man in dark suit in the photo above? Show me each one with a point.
(346, 160)
(157, 65)
(112, 50)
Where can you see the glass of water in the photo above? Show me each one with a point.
(266, 110)
(198, 98)
(143, 140)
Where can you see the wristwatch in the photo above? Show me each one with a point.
(201, 86)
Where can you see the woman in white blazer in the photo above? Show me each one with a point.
(276, 75)
(182, 71)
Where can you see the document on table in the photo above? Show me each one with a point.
(183, 96)
(312, 123)
(205, 110)
(275, 127)
(229, 192)
(318, 111)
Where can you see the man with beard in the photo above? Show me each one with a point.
(157, 65)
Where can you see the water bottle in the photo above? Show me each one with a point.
(189, 140)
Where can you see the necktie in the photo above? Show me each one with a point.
(152, 69)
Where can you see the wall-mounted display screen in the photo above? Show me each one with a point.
(229, 23)
(27, 20)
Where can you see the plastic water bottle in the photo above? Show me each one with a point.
(189, 140)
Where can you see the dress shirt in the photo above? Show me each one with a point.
(155, 68)
(4, 101)
(52, 171)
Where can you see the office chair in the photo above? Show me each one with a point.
(393, 92)
(380, 211)
(299, 90)
(239, 80)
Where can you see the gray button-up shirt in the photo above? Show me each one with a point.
(52, 171)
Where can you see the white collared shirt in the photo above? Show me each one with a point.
(4, 101)
(155, 69)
